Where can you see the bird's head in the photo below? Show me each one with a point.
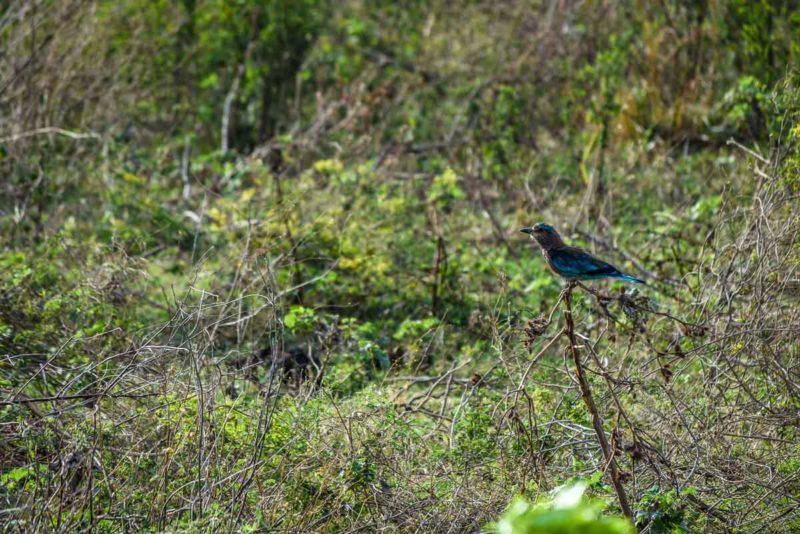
(545, 235)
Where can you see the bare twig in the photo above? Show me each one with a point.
(588, 399)
(50, 130)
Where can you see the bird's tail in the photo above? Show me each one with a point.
(629, 278)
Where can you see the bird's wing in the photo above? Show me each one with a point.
(572, 261)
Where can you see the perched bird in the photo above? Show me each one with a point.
(572, 263)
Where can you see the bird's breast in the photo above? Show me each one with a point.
(548, 259)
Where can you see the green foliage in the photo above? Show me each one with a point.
(566, 512)
(760, 36)
(250, 51)
(13, 478)
(299, 319)
(662, 511)
(415, 328)
(741, 107)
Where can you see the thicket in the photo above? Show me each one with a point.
(260, 267)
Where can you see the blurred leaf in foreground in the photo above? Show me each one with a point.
(568, 512)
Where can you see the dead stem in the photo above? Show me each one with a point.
(588, 399)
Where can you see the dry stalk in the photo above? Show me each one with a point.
(588, 399)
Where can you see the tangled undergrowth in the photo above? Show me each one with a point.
(252, 290)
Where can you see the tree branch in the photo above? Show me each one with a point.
(588, 399)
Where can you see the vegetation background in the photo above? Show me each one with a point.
(260, 267)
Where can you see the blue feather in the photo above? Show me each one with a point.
(629, 278)
(574, 263)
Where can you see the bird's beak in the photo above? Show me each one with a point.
(527, 230)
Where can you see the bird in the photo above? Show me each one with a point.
(571, 263)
